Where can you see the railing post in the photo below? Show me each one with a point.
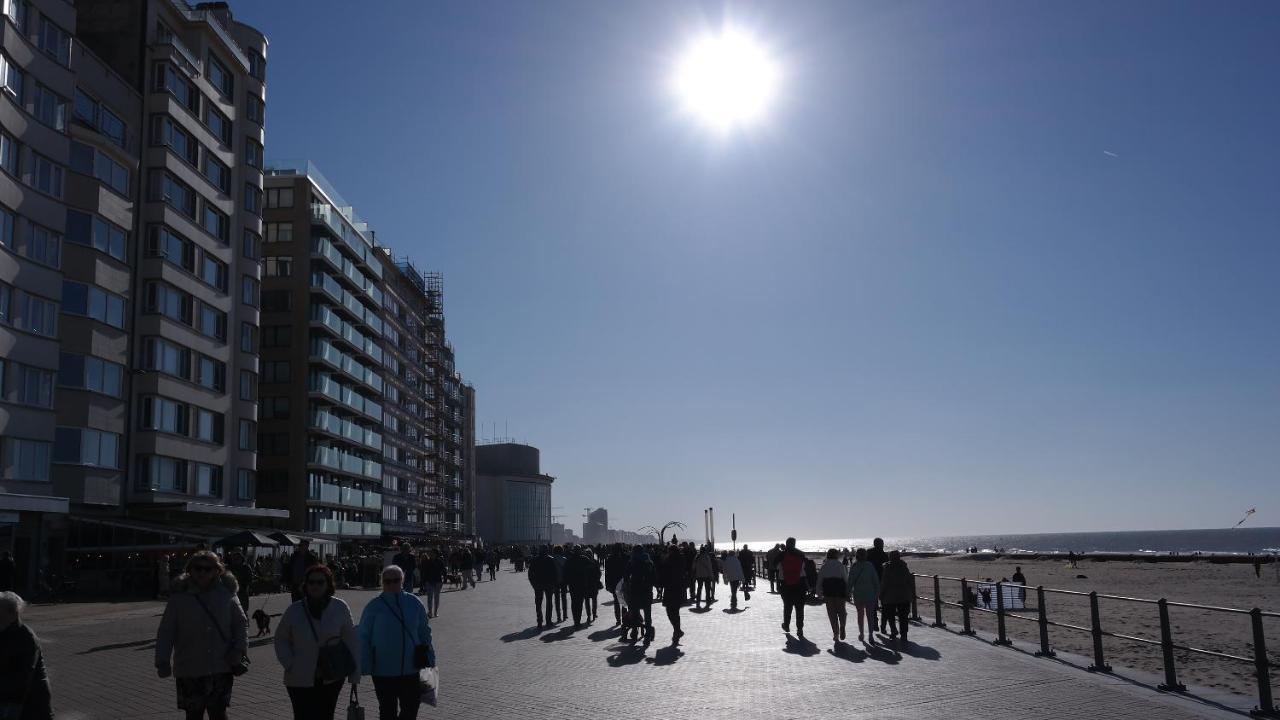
(1043, 616)
(964, 605)
(1265, 707)
(915, 607)
(1001, 638)
(1171, 683)
(937, 603)
(1099, 663)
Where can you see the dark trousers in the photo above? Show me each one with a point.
(542, 597)
(703, 584)
(593, 603)
(896, 614)
(733, 593)
(641, 620)
(575, 599)
(398, 697)
(315, 703)
(562, 602)
(793, 598)
(617, 609)
(673, 614)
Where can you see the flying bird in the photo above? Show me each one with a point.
(1246, 517)
(1108, 153)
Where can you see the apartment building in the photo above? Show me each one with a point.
(131, 138)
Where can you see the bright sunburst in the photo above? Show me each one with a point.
(726, 81)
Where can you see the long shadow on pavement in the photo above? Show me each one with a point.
(526, 634)
(734, 611)
(140, 644)
(562, 634)
(883, 654)
(845, 651)
(916, 650)
(625, 655)
(666, 656)
(796, 646)
(599, 635)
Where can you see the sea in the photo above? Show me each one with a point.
(1235, 541)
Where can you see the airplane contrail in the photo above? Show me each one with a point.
(1110, 154)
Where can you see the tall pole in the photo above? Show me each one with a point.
(706, 526)
(733, 531)
(713, 527)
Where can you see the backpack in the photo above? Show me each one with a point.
(792, 568)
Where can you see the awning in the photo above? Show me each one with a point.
(33, 503)
(246, 538)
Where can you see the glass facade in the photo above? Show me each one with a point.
(526, 512)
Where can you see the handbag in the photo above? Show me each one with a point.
(354, 711)
(421, 652)
(333, 658)
(238, 660)
(429, 684)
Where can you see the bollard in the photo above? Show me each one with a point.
(964, 605)
(1001, 638)
(1099, 664)
(937, 603)
(1265, 707)
(1045, 650)
(1171, 683)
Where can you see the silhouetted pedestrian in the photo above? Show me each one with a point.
(897, 589)
(24, 684)
(864, 585)
(675, 581)
(834, 586)
(793, 585)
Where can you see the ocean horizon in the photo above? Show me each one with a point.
(1229, 541)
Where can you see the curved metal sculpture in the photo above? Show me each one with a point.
(662, 532)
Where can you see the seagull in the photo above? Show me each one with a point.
(1108, 153)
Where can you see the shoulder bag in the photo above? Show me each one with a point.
(334, 660)
(238, 660)
(421, 653)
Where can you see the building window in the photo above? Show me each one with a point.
(163, 356)
(278, 265)
(12, 81)
(249, 291)
(213, 322)
(93, 302)
(244, 484)
(276, 371)
(274, 407)
(215, 223)
(16, 11)
(211, 374)
(175, 249)
(277, 336)
(213, 271)
(168, 79)
(209, 426)
(248, 435)
(252, 199)
(248, 338)
(9, 153)
(90, 161)
(26, 460)
(27, 312)
(208, 480)
(277, 300)
(257, 64)
(253, 153)
(218, 174)
(157, 472)
(254, 109)
(92, 231)
(46, 175)
(164, 415)
(164, 299)
(279, 232)
(55, 42)
(86, 446)
(173, 192)
(27, 385)
(220, 77)
(96, 115)
(280, 197)
(49, 107)
(167, 133)
(250, 245)
(248, 385)
(86, 372)
(218, 124)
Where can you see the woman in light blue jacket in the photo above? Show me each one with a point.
(864, 585)
(391, 627)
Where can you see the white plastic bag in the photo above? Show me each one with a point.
(429, 679)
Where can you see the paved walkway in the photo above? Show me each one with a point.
(729, 665)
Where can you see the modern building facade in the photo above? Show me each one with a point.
(131, 137)
(364, 426)
(513, 495)
(596, 528)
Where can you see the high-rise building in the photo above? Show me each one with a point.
(131, 143)
(364, 430)
(596, 528)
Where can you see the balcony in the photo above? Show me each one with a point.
(341, 427)
(185, 59)
(348, 528)
(335, 459)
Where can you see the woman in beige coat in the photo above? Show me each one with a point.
(317, 620)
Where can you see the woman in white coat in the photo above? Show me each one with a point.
(317, 620)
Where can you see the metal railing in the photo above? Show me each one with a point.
(1003, 593)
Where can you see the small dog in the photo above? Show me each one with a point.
(264, 622)
(454, 579)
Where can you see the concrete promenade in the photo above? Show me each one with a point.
(493, 663)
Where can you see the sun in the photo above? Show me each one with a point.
(726, 81)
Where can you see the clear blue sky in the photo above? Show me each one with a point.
(921, 299)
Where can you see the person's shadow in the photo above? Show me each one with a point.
(526, 634)
(845, 651)
(625, 655)
(920, 651)
(562, 634)
(733, 611)
(803, 647)
(667, 655)
(701, 610)
(605, 634)
(882, 654)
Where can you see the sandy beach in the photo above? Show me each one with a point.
(1201, 582)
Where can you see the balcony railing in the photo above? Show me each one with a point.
(335, 459)
(349, 528)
